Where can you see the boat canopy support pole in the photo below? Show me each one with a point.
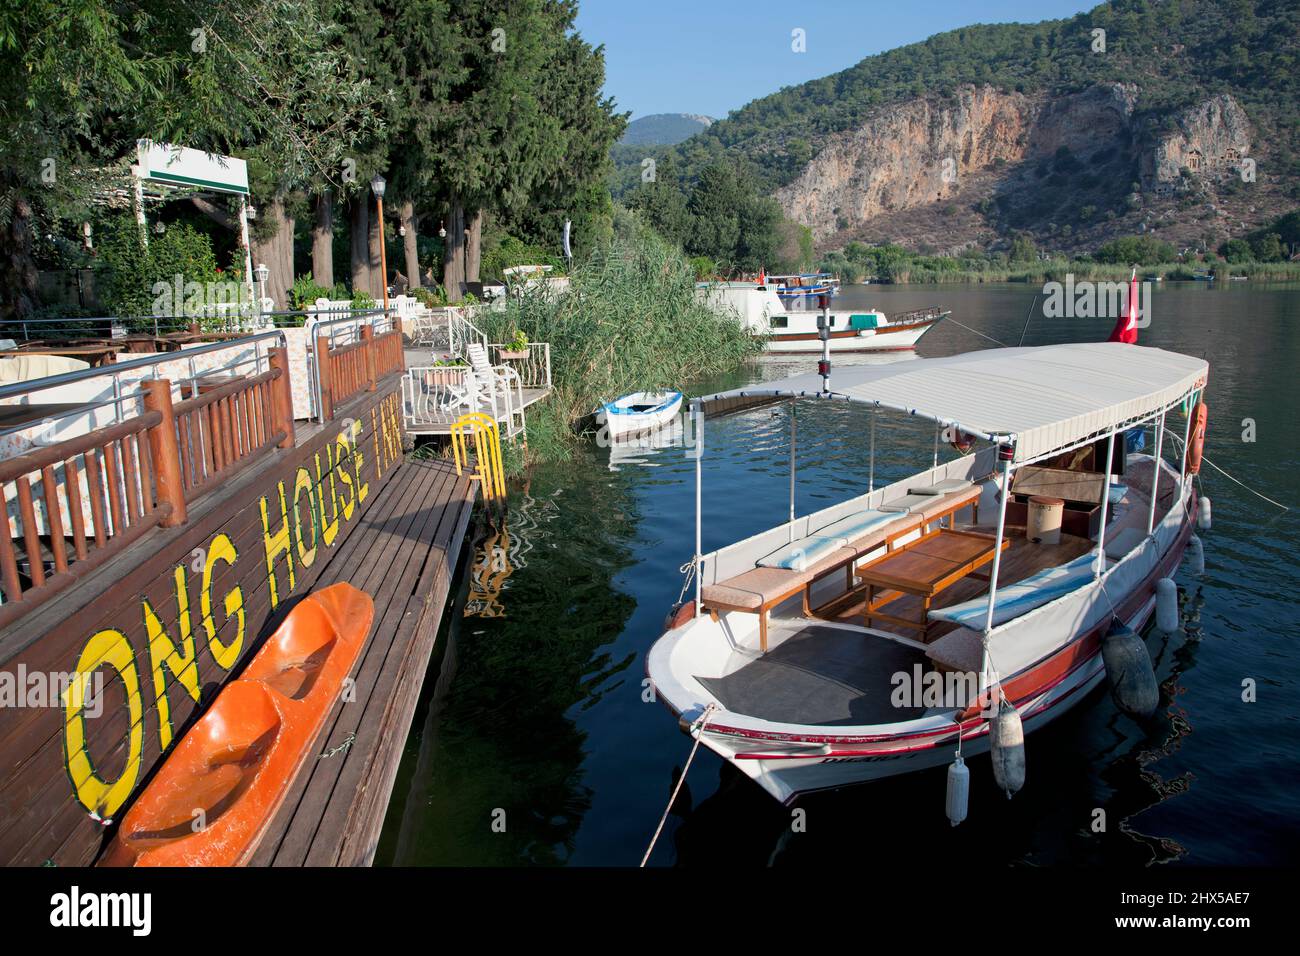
(871, 472)
(793, 445)
(1006, 452)
(697, 412)
(1099, 563)
(1187, 435)
(1155, 474)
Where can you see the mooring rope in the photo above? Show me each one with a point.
(1206, 458)
(977, 332)
(698, 730)
(687, 569)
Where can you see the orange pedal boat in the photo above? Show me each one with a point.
(219, 789)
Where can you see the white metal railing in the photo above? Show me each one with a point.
(438, 395)
(343, 329)
(534, 370)
(464, 332)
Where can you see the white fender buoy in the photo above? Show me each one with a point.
(958, 791)
(1196, 554)
(1007, 746)
(1129, 672)
(1203, 513)
(1167, 605)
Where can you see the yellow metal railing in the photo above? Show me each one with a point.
(487, 452)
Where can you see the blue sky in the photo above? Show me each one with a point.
(713, 56)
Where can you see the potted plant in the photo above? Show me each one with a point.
(446, 372)
(516, 348)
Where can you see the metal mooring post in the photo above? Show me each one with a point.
(824, 333)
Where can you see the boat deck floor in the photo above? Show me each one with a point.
(403, 557)
(821, 676)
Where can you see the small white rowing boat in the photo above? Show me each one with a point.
(639, 412)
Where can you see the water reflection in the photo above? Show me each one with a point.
(545, 717)
(502, 549)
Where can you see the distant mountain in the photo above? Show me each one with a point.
(1173, 117)
(664, 129)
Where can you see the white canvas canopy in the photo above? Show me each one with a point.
(1043, 398)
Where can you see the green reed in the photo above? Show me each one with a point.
(629, 322)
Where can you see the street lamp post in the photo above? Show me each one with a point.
(262, 273)
(378, 185)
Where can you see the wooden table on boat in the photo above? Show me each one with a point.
(926, 567)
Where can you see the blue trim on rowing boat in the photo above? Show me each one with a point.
(612, 408)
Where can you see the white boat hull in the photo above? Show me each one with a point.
(793, 329)
(1060, 663)
(786, 780)
(885, 339)
(624, 423)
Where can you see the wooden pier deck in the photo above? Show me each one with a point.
(404, 556)
(210, 518)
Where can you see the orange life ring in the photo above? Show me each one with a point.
(1196, 443)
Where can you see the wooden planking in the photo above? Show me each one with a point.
(42, 820)
(380, 504)
(361, 833)
(335, 810)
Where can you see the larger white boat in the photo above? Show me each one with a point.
(761, 311)
(875, 637)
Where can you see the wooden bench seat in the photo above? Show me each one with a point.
(760, 589)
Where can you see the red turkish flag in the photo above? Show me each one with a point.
(1126, 329)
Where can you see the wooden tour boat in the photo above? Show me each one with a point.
(867, 639)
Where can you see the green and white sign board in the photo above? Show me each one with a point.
(181, 167)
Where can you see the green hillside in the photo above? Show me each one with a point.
(663, 129)
(1177, 52)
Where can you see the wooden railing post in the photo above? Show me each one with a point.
(282, 394)
(368, 337)
(324, 377)
(164, 451)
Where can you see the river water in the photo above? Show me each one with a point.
(534, 745)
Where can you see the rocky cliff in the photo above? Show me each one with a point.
(952, 171)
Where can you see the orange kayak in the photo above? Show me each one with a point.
(220, 788)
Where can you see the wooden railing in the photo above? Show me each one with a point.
(227, 425)
(344, 371)
(118, 504)
(116, 483)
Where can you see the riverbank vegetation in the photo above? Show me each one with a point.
(724, 221)
(630, 322)
(1264, 254)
